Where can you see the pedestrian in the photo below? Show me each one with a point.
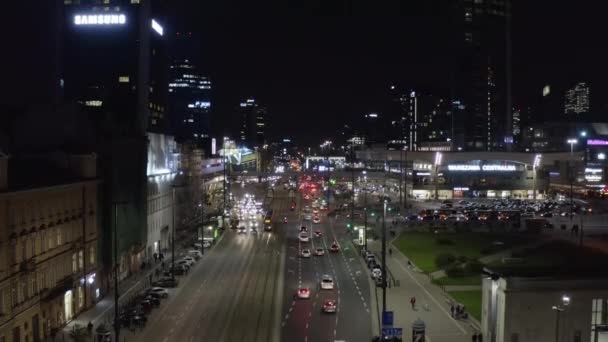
(413, 302)
(90, 328)
(452, 309)
(479, 337)
(390, 251)
(474, 337)
(155, 257)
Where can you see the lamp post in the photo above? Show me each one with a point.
(438, 157)
(384, 257)
(173, 233)
(352, 176)
(116, 264)
(565, 301)
(536, 164)
(572, 142)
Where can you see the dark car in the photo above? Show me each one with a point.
(166, 282)
(155, 301)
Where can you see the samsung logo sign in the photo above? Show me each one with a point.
(100, 19)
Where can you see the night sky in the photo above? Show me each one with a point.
(316, 68)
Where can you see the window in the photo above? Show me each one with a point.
(24, 290)
(14, 299)
(24, 250)
(74, 263)
(81, 260)
(92, 255)
(134, 1)
(42, 241)
(59, 239)
(598, 314)
(34, 284)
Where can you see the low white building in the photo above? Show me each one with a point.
(535, 309)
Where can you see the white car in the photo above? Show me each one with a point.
(315, 211)
(303, 293)
(190, 259)
(161, 291)
(319, 252)
(307, 217)
(306, 253)
(327, 283)
(316, 219)
(376, 272)
(304, 237)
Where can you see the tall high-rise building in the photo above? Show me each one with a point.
(253, 123)
(481, 87)
(422, 118)
(189, 102)
(115, 67)
(576, 99)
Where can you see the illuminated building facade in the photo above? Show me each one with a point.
(49, 265)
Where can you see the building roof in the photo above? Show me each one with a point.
(32, 173)
(555, 260)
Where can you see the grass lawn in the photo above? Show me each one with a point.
(471, 301)
(422, 248)
(467, 280)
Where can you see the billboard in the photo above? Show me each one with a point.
(597, 142)
(162, 156)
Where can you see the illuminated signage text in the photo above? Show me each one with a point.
(597, 142)
(100, 19)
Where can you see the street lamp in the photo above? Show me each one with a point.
(438, 157)
(565, 301)
(572, 142)
(535, 166)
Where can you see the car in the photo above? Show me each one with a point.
(303, 293)
(327, 282)
(197, 245)
(376, 272)
(379, 281)
(166, 283)
(318, 233)
(319, 252)
(307, 217)
(334, 248)
(196, 254)
(153, 300)
(158, 290)
(190, 260)
(242, 230)
(184, 263)
(206, 243)
(303, 229)
(316, 219)
(306, 253)
(329, 306)
(253, 229)
(304, 237)
(315, 211)
(413, 218)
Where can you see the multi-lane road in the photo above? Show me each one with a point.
(243, 288)
(303, 319)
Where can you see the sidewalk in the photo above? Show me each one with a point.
(103, 311)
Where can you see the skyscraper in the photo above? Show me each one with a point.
(189, 102)
(481, 87)
(576, 100)
(115, 67)
(253, 123)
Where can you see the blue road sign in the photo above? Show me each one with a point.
(392, 332)
(387, 319)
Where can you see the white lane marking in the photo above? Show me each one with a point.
(432, 297)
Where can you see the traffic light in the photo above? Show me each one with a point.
(348, 225)
(332, 181)
(390, 209)
(373, 214)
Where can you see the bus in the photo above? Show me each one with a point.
(268, 220)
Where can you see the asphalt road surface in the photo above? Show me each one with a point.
(303, 319)
(232, 294)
